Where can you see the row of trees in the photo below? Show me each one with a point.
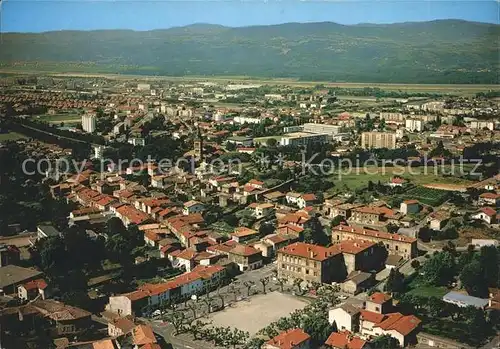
(476, 270)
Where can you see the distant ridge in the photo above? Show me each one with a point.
(440, 51)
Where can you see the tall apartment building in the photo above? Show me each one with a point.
(89, 122)
(414, 125)
(392, 116)
(378, 140)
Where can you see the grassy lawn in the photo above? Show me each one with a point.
(418, 288)
(418, 176)
(11, 136)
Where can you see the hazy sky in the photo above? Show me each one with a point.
(45, 15)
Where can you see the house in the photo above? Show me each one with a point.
(32, 289)
(9, 254)
(246, 257)
(299, 219)
(306, 200)
(464, 300)
(242, 234)
(345, 317)
(12, 276)
(292, 197)
(66, 320)
(274, 197)
(264, 247)
(376, 320)
(120, 326)
(490, 199)
(437, 220)
(277, 241)
(46, 231)
(292, 339)
(183, 259)
(143, 335)
(262, 210)
(409, 207)
(486, 214)
(130, 215)
(403, 328)
(192, 207)
(357, 282)
(396, 182)
(346, 340)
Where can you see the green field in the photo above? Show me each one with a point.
(418, 176)
(11, 136)
(58, 118)
(427, 196)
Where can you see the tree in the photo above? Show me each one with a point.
(395, 281)
(316, 324)
(489, 257)
(193, 307)
(473, 279)
(296, 283)
(281, 282)
(177, 319)
(385, 342)
(196, 328)
(248, 285)
(439, 269)
(271, 142)
(208, 300)
(264, 281)
(415, 264)
(114, 226)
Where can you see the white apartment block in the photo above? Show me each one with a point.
(414, 125)
(89, 122)
(490, 125)
(378, 140)
(248, 120)
(392, 116)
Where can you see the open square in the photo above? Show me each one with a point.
(257, 312)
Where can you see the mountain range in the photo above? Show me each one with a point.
(442, 51)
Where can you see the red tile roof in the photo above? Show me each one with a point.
(143, 334)
(489, 211)
(374, 233)
(36, 284)
(380, 298)
(345, 340)
(315, 252)
(289, 339)
(399, 323)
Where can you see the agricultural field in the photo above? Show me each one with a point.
(427, 196)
